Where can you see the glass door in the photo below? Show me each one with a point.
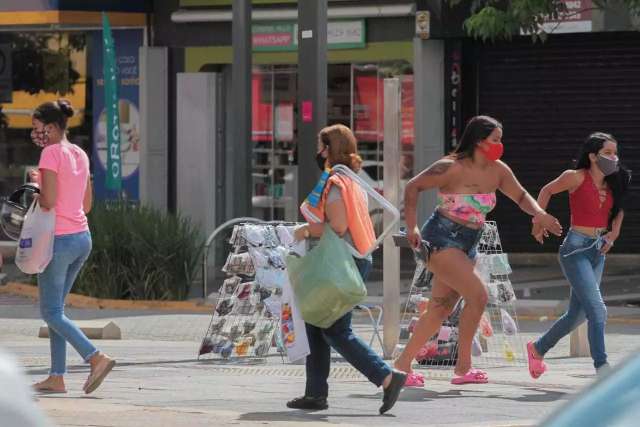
(274, 137)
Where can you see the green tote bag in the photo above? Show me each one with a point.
(326, 281)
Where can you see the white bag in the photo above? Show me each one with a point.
(292, 328)
(35, 247)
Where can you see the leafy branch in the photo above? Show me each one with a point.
(502, 19)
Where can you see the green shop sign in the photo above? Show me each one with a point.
(281, 36)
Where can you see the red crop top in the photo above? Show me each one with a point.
(585, 205)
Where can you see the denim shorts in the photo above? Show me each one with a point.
(442, 233)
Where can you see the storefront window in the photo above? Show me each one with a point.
(45, 67)
(355, 98)
(274, 137)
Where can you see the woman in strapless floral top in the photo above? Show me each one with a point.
(466, 181)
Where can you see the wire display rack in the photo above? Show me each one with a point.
(497, 342)
(248, 311)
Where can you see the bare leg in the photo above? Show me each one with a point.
(456, 269)
(442, 301)
(455, 276)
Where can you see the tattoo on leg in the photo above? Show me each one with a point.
(447, 302)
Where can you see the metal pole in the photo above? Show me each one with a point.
(428, 94)
(241, 84)
(312, 88)
(391, 253)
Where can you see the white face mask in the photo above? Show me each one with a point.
(607, 165)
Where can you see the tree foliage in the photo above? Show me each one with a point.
(501, 19)
(42, 62)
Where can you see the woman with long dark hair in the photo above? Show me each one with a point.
(466, 181)
(63, 175)
(597, 188)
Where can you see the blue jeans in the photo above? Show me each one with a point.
(582, 264)
(353, 349)
(54, 284)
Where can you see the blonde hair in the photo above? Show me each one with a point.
(343, 146)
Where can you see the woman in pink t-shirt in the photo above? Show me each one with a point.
(64, 186)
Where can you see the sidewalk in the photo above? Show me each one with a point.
(538, 277)
(159, 382)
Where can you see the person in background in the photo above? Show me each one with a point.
(63, 175)
(597, 188)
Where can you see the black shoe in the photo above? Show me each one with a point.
(308, 402)
(392, 392)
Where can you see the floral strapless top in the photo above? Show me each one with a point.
(471, 208)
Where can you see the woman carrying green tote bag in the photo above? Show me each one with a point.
(325, 280)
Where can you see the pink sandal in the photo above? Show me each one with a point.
(473, 376)
(414, 380)
(537, 367)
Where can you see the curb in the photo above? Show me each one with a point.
(81, 301)
(616, 320)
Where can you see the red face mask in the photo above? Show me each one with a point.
(491, 151)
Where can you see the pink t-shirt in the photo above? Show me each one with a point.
(71, 165)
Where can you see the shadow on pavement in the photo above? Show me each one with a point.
(423, 395)
(299, 415)
(85, 368)
(414, 395)
(540, 396)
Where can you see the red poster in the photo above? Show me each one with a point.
(261, 114)
(307, 111)
(369, 109)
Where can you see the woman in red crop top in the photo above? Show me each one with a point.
(596, 189)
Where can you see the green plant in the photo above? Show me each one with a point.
(502, 19)
(139, 253)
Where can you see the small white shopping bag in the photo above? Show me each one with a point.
(35, 247)
(292, 328)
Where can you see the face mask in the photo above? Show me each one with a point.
(491, 151)
(40, 137)
(607, 166)
(321, 160)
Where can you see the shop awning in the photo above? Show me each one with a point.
(185, 16)
(67, 18)
(82, 5)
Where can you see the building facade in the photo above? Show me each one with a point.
(53, 49)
